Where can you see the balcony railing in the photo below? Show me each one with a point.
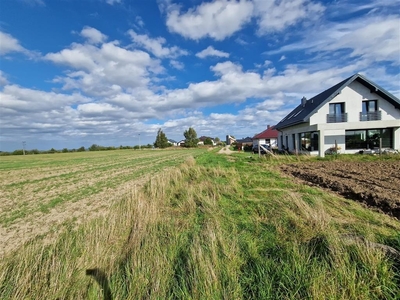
(336, 118)
(371, 116)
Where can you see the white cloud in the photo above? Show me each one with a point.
(283, 57)
(221, 19)
(105, 69)
(373, 38)
(177, 64)
(210, 51)
(155, 46)
(9, 44)
(277, 15)
(3, 78)
(93, 35)
(217, 19)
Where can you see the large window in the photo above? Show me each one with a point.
(369, 139)
(336, 113)
(370, 111)
(309, 141)
(369, 106)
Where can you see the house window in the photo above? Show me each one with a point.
(370, 111)
(314, 141)
(309, 141)
(355, 139)
(294, 141)
(369, 139)
(287, 143)
(336, 113)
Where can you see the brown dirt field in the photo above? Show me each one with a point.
(376, 184)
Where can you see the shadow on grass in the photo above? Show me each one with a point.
(102, 280)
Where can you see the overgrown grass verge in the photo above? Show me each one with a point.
(219, 228)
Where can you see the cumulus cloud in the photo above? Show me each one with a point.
(20, 99)
(210, 51)
(277, 15)
(177, 64)
(10, 44)
(104, 70)
(93, 35)
(221, 19)
(155, 46)
(217, 19)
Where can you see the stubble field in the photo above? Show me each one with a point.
(41, 193)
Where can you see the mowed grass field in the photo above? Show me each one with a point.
(187, 224)
(40, 193)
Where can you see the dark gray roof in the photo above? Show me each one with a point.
(245, 140)
(301, 113)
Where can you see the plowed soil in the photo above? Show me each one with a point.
(376, 184)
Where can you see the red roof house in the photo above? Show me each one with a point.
(269, 136)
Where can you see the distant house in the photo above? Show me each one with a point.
(230, 139)
(269, 137)
(355, 114)
(246, 141)
(172, 142)
(203, 138)
(181, 143)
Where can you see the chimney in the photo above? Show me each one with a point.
(268, 126)
(303, 101)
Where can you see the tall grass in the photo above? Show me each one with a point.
(217, 228)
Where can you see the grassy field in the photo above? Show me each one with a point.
(209, 226)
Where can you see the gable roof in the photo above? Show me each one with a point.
(245, 140)
(303, 112)
(203, 138)
(269, 133)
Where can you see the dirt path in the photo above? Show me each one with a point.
(226, 150)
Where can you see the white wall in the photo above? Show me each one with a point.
(273, 142)
(352, 96)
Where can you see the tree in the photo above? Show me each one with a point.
(191, 139)
(81, 149)
(161, 140)
(208, 141)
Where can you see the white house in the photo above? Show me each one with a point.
(355, 114)
(269, 137)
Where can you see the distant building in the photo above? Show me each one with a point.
(172, 142)
(246, 141)
(230, 139)
(268, 137)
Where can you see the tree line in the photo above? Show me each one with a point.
(190, 135)
(161, 141)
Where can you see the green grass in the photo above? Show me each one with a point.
(218, 227)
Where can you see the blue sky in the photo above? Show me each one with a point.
(74, 73)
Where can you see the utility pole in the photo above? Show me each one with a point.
(23, 147)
